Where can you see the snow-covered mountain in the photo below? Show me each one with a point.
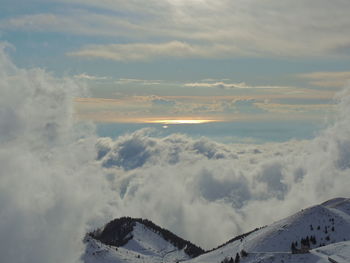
(322, 230)
(323, 224)
(137, 240)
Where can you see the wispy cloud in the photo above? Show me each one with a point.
(85, 76)
(138, 81)
(148, 51)
(294, 108)
(327, 79)
(76, 22)
(183, 28)
(224, 85)
(136, 109)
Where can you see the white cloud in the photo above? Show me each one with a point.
(50, 188)
(85, 76)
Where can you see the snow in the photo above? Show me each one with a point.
(334, 201)
(96, 252)
(341, 204)
(273, 243)
(145, 246)
(328, 222)
(339, 252)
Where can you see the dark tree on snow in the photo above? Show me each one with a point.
(293, 248)
(243, 253)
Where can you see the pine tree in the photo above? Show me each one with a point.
(307, 241)
(293, 248)
(237, 258)
(243, 253)
(313, 240)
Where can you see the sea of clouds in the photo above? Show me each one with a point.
(59, 180)
(209, 192)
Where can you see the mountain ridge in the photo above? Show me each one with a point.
(319, 228)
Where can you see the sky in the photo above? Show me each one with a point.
(198, 115)
(228, 61)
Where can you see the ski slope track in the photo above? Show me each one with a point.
(326, 226)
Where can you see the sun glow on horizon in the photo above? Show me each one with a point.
(181, 121)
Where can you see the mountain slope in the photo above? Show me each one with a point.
(338, 252)
(136, 240)
(327, 223)
(324, 229)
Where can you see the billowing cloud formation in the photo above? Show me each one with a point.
(50, 189)
(138, 149)
(199, 187)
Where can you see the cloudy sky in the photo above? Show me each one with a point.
(96, 98)
(226, 61)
